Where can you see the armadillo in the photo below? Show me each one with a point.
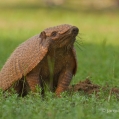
(48, 58)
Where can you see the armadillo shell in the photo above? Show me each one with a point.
(22, 61)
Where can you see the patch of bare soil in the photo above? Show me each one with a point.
(87, 87)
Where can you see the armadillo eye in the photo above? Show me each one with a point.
(54, 33)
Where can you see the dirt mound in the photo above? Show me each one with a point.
(88, 87)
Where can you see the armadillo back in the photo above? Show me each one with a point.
(22, 61)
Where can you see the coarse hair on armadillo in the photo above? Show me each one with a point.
(24, 58)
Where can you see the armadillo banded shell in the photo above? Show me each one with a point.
(22, 61)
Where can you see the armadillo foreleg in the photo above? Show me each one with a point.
(63, 82)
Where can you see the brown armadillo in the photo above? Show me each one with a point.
(45, 59)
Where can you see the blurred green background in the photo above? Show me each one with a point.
(29, 17)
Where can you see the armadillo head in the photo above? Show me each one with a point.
(61, 35)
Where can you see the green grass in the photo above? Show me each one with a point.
(99, 59)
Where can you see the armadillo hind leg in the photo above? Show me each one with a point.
(33, 82)
(32, 79)
(21, 87)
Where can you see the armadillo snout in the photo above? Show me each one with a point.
(74, 30)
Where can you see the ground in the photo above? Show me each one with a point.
(97, 54)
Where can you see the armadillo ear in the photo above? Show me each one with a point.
(42, 35)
